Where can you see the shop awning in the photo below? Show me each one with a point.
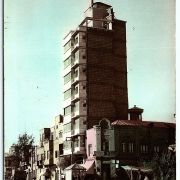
(75, 167)
(133, 168)
(89, 165)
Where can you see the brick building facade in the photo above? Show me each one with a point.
(95, 75)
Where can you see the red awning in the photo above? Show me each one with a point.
(89, 165)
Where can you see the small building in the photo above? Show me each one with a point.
(8, 169)
(100, 151)
(75, 171)
(137, 141)
(125, 143)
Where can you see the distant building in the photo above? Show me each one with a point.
(125, 143)
(44, 158)
(8, 169)
(138, 141)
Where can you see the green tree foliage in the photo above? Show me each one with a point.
(21, 149)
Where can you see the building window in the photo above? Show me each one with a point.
(47, 154)
(76, 124)
(84, 122)
(67, 62)
(76, 73)
(123, 147)
(60, 134)
(76, 143)
(76, 106)
(89, 149)
(67, 94)
(76, 40)
(60, 149)
(56, 154)
(106, 147)
(67, 127)
(131, 147)
(82, 142)
(84, 104)
(84, 70)
(76, 55)
(156, 149)
(67, 78)
(144, 148)
(76, 89)
(67, 145)
(67, 110)
(67, 46)
(52, 136)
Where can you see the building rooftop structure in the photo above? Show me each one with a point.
(143, 123)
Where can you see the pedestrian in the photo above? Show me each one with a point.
(139, 174)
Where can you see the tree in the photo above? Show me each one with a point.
(21, 149)
(164, 165)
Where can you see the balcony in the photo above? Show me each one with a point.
(67, 102)
(40, 163)
(79, 150)
(78, 57)
(75, 114)
(81, 94)
(80, 131)
(67, 118)
(105, 24)
(74, 80)
(49, 161)
(74, 62)
(67, 86)
(75, 47)
(75, 97)
(80, 126)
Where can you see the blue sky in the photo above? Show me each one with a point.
(33, 59)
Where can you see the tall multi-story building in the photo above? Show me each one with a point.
(95, 75)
